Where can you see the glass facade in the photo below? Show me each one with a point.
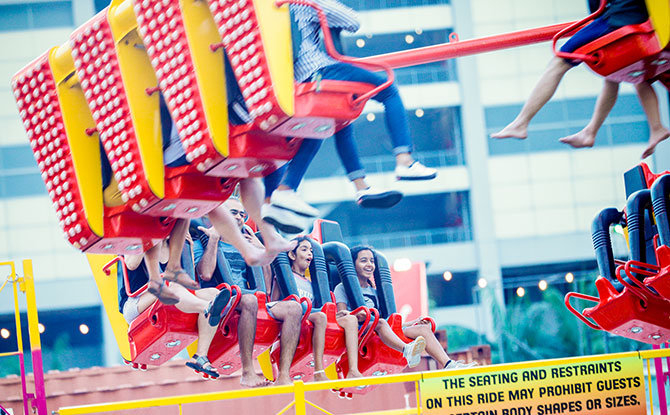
(369, 45)
(388, 4)
(31, 16)
(417, 220)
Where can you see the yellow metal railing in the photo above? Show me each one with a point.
(299, 388)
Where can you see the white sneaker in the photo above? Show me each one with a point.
(374, 198)
(415, 171)
(412, 351)
(459, 364)
(289, 200)
(284, 220)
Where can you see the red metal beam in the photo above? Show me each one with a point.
(456, 49)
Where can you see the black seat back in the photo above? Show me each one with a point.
(384, 285)
(338, 253)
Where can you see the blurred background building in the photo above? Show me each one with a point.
(502, 215)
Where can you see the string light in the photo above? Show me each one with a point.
(4, 333)
(569, 277)
(447, 275)
(402, 264)
(40, 328)
(482, 283)
(360, 43)
(370, 117)
(83, 328)
(419, 113)
(409, 39)
(520, 291)
(542, 284)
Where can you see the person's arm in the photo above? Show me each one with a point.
(206, 262)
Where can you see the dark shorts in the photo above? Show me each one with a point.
(594, 30)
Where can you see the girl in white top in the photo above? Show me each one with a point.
(300, 258)
(364, 262)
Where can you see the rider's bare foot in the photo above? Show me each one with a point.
(581, 139)
(164, 294)
(354, 374)
(275, 244)
(514, 130)
(283, 380)
(256, 257)
(252, 380)
(655, 136)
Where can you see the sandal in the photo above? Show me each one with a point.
(181, 277)
(203, 365)
(216, 306)
(160, 290)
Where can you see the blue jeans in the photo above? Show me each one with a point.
(396, 119)
(291, 174)
(594, 30)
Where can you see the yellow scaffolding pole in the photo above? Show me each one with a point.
(298, 389)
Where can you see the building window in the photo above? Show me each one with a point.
(368, 45)
(30, 16)
(387, 4)
(417, 220)
(457, 291)
(436, 135)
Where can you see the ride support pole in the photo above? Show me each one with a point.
(19, 337)
(660, 383)
(35, 345)
(458, 48)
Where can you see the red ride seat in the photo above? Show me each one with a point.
(377, 359)
(629, 54)
(302, 366)
(159, 333)
(116, 77)
(319, 108)
(626, 313)
(50, 107)
(224, 353)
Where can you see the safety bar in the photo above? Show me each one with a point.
(429, 319)
(237, 292)
(579, 315)
(643, 269)
(366, 337)
(301, 300)
(330, 48)
(574, 27)
(126, 281)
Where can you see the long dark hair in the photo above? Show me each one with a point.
(300, 239)
(356, 250)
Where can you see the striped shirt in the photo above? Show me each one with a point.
(311, 57)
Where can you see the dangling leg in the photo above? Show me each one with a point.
(649, 101)
(541, 94)
(606, 100)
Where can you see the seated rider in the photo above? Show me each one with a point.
(312, 63)
(173, 272)
(586, 137)
(208, 303)
(300, 259)
(364, 262)
(174, 156)
(618, 13)
(288, 312)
